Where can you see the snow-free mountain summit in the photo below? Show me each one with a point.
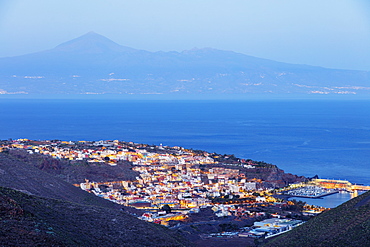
(93, 64)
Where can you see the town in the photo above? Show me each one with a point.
(175, 185)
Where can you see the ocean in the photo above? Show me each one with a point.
(328, 138)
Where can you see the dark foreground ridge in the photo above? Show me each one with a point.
(43, 210)
(28, 220)
(345, 225)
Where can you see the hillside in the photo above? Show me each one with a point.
(42, 202)
(35, 221)
(18, 174)
(270, 175)
(76, 172)
(345, 225)
(93, 64)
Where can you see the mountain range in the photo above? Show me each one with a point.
(93, 64)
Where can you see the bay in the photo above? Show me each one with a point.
(330, 138)
(330, 201)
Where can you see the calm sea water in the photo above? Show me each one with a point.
(330, 201)
(304, 137)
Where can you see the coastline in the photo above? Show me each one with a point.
(328, 201)
(233, 127)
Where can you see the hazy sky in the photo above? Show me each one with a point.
(329, 33)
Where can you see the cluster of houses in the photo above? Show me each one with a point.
(109, 152)
(169, 178)
(181, 187)
(174, 178)
(266, 228)
(272, 227)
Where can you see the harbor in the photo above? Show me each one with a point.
(326, 193)
(329, 201)
(311, 192)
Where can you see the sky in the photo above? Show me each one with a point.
(327, 33)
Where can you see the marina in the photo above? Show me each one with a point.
(323, 197)
(330, 201)
(311, 192)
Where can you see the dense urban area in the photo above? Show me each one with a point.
(209, 194)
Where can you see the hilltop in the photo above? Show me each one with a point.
(345, 225)
(94, 64)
